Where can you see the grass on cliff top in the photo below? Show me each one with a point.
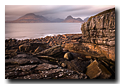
(106, 11)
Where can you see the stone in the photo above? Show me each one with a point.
(68, 56)
(53, 51)
(63, 65)
(97, 70)
(93, 71)
(38, 49)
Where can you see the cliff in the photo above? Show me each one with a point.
(100, 30)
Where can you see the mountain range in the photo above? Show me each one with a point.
(70, 19)
(32, 18)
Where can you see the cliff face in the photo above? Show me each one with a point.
(100, 30)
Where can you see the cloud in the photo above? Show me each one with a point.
(54, 11)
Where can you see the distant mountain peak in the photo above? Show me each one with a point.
(30, 14)
(30, 18)
(72, 20)
(69, 17)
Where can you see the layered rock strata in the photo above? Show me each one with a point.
(100, 30)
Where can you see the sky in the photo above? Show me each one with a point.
(13, 12)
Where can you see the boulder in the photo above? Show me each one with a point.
(97, 70)
(63, 65)
(53, 51)
(68, 56)
(93, 70)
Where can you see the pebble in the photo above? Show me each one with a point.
(60, 75)
(45, 75)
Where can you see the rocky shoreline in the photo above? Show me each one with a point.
(52, 57)
(90, 55)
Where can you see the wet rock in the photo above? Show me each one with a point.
(53, 51)
(68, 56)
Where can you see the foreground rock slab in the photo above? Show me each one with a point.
(93, 70)
(98, 70)
(91, 49)
(42, 71)
(53, 51)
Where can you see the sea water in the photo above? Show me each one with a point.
(37, 30)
